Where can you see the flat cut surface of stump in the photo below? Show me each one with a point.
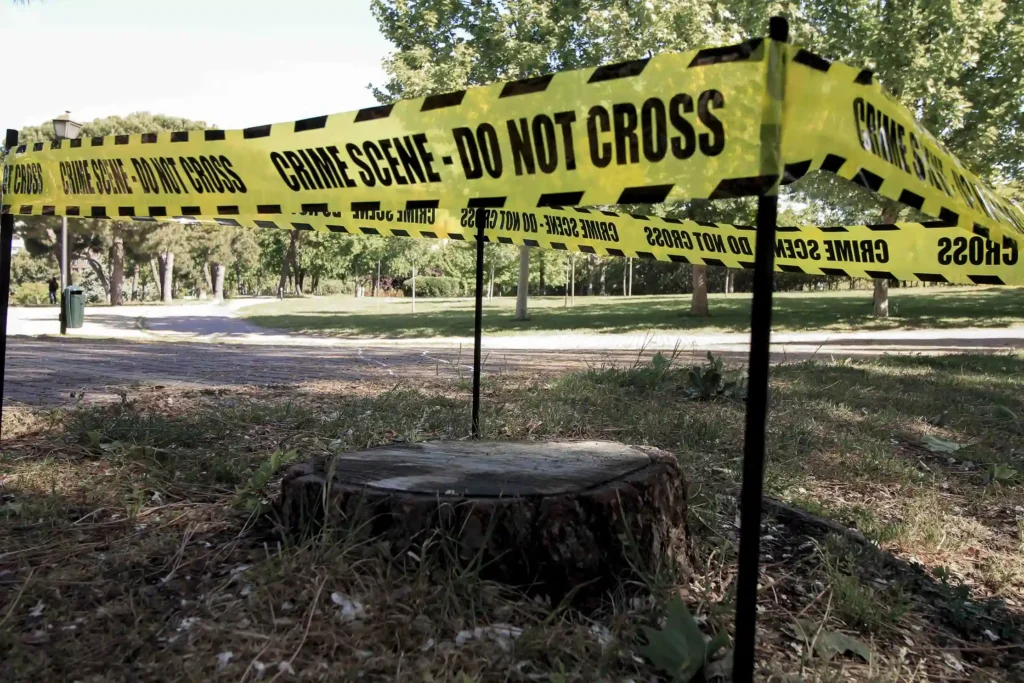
(548, 515)
(490, 468)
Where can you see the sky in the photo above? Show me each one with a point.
(230, 63)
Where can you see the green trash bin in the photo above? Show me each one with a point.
(74, 306)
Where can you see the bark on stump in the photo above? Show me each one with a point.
(545, 515)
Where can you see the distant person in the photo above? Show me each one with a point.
(53, 290)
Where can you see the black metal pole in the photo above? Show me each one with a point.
(478, 319)
(6, 238)
(758, 369)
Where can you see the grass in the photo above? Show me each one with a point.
(129, 551)
(915, 308)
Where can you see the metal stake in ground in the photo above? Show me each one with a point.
(760, 340)
(6, 237)
(481, 223)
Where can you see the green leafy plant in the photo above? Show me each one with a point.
(1000, 473)
(827, 644)
(679, 649)
(252, 495)
(709, 382)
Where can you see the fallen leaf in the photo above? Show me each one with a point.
(937, 445)
(828, 644)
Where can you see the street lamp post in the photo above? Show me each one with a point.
(64, 129)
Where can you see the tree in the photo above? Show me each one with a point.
(446, 46)
(954, 63)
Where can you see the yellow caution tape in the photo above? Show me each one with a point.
(928, 252)
(671, 127)
(840, 119)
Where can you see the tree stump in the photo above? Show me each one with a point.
(544, 515)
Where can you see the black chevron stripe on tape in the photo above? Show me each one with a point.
(256, 132)
(448, 99)
(558, 199)
(374, 113)
(743, 187)
(729, 53)
(314, 123)
(611, 72)
(986, 279)
(808, 58)
(526, 86)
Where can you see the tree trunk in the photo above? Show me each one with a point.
(630, 277)
(590, 274)
(217, 272)
(881, 298)
(730, 275)
(572, 279)
(699, 299)
(135, 280)
(289, 257)
(414, 288)
(376, 280)
(157, 268)
(542, 274)
(523, 288)
(206, 284)
(117, 268)
(166, 260)
(97, 268)
(559, 517)
(890, 212)
(490, 284)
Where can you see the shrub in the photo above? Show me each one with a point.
(427, 286)
(31, 294)
(329, 287)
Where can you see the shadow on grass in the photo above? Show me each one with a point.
(943, 310)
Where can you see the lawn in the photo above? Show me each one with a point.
(932, 307)
(130, 550)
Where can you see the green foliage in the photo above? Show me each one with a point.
(827, 644)
(428, 286)
(28, 268)
(679, 648)
(252, 495)
(710, 382)
(31, 294)
(1000, 473)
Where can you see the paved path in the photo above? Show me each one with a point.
(139, 345)
(209, 322)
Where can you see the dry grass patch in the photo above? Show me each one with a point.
(134, 547)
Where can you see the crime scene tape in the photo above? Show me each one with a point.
(928, 252)
(674, 126)
(840, 119)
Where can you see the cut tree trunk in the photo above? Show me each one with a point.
(550, 516)
(699, 299)
(523, 288)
